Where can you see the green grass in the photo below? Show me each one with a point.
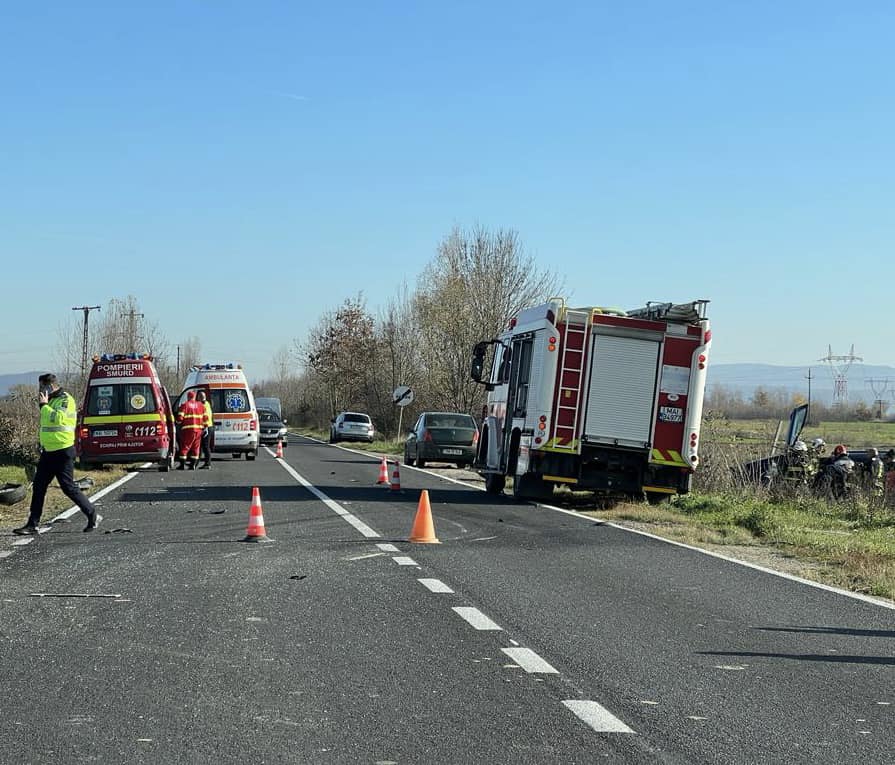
(850, 545)
(856, 435)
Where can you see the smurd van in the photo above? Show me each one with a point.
(236, 429)
(126, 415)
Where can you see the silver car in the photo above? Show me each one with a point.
(351, 426)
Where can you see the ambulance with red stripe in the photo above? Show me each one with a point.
(126, 415)
(595, 399)
(236, 429)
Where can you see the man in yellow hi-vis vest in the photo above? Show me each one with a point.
(58, 417)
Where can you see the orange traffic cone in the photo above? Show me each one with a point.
(423, 531)
(396, 478)
(279, 449)
(255, 532)
(383, 471)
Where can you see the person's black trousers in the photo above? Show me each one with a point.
(207, 443)
(61, 466)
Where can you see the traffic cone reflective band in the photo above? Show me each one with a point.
(423, 531)
(255, 532)
(383, 471)
(396, 478)
(279, 449)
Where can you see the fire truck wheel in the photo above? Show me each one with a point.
(495, 483)
(657, 498)
(251, 455)
(408, 461)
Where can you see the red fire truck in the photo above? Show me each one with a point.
(594, 398)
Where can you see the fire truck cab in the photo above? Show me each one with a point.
(594, 398)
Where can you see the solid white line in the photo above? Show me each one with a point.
(529, 660)
(476, 618)
(23, 542)
(599, 718)
(435, 585)
(385, 547)
(403, 560)
(330, 503)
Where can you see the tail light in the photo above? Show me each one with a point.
(162, 428)
(427, 436)
(85, 432)
(475, 437)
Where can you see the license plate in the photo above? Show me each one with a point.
(452, 452)
(104, 433)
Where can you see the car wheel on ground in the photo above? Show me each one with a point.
(420, 463)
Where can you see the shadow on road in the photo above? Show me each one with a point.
(832, 631)
(834, 658)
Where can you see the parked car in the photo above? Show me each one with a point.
(442, 437)
(273, 427)
(351, 426)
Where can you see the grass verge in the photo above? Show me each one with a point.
(849, 545)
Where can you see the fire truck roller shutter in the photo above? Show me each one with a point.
(622, 389)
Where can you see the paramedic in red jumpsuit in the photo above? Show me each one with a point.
(190, 419)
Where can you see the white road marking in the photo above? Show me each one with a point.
(385, 547)
(482, 539)
(403, 560)
(600, 522)
(368, 555)
(6, 553)
(596, 716)
(100, 494)
(435, 585)
(330, 503)
(22, 542)
(476, 618)
(529, 660)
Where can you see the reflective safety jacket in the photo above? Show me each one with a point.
(208, 421)
(190, 415)
(57, 422)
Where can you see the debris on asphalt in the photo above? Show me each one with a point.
(299, 576)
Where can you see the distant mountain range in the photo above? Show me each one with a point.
(861, 379)
(744, 378)
(22, 378)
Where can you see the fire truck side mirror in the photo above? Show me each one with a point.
(478, 361)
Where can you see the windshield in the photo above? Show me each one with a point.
(119, 399)
(229, 400)
(356, 418)
(265, 415)
(449, 421)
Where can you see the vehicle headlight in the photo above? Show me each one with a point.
(281, 432)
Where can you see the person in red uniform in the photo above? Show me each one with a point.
(190, 422)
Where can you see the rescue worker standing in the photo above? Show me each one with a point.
(875, 473)
(189, 420)
(207, 431)
(58, 417)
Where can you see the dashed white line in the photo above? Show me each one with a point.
(21, 542)
(529, 660)
(385, 547)
(6, 553)
(403, 560)
(435, 585)
(330, 503)
(476, 618)
(368, 555)
(596, 716)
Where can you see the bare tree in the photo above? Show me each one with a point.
(476, 282)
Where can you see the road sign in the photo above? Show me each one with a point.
(403, 395)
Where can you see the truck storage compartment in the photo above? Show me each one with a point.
(621, 392)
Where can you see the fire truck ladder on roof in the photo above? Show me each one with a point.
(571, 380)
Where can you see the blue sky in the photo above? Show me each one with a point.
(243, 167)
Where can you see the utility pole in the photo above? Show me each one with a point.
(178, 361)
(878, 386)
(808, 377)
(132, 329)
(86, 309)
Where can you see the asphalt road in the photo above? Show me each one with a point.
(536, 635)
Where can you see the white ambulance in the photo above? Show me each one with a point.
(236, 429)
